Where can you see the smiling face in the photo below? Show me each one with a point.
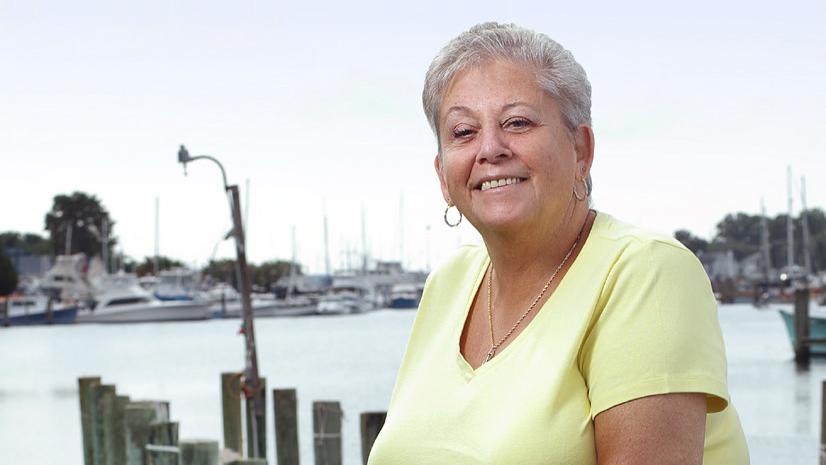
(508, 161)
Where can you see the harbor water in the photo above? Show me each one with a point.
(351, 359)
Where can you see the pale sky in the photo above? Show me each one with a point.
(698, 109)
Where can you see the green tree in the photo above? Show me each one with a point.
(692, 242)
(27, 243)
(221, 270)
(267, 273)
(8, 275)
(147, 266)
(261, 276)
(84, 216)
(740, 233)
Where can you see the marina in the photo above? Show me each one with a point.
(350, 358)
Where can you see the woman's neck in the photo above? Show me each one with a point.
(523, 263)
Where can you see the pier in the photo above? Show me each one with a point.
(118, 430)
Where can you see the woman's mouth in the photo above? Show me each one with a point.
(494, 183)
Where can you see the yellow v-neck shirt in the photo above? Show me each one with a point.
(634, 316)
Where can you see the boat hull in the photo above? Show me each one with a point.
(263, 310)
(59, 316)
(817, 329)
(404, 303)
(148, 313)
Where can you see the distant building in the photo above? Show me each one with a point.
(27, 264)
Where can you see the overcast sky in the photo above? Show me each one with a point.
(698, 109)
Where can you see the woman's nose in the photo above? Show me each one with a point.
(493, 146)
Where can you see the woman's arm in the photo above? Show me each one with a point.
(667, 429)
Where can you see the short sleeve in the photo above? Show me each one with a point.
(655, 330)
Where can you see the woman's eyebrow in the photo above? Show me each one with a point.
(516, 104)
(457, 109)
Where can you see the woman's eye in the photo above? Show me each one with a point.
(517, 123)
(462, 132)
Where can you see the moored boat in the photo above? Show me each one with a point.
(817, 324)
(122, 300)
(38, 309)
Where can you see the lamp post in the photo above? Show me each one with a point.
(252, 382)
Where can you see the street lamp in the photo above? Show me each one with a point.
(252, 382)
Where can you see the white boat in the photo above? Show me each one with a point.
(67, 279)
(121, 300)
(406, 295)
(179, 284)
(346, 299)
(225, 302)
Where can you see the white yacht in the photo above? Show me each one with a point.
(179, 284)
(347, 297)
(225, 302)
(120, 299)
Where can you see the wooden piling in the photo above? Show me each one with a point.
(199, 452)
(49, 312)
(138, 419)
(103, 403)
(86, 386)
(164, 433)
(823, 423)
(286, 426)
(4, 309)
(261, 422)
(327, 433)
(231, 408)
(119, 430)
(802, 347)
(371, 424)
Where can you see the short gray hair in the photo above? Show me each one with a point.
(557, 72)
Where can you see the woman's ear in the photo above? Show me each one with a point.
(437, 163)
(584, 146)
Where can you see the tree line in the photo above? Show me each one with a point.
(79, 223)
(741, 233)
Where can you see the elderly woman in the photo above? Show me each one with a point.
(569, 337)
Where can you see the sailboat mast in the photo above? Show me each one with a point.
(104, 244)
(807, 256)
(765, 246)
(292, 266)
(155, 265)
(363, 242)
(401, 230)
(789, 227)
(326, 246)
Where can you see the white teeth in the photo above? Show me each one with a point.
(499, 183)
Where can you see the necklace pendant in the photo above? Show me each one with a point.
(490, 355)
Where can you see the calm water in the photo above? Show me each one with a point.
(352, 359)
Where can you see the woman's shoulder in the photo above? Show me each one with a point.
(615, 230)
(628, 239)
(464, 259)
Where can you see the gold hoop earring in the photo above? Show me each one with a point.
(447, 222)
(576, 194)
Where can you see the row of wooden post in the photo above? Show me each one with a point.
(119, 431)
(327, 416)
